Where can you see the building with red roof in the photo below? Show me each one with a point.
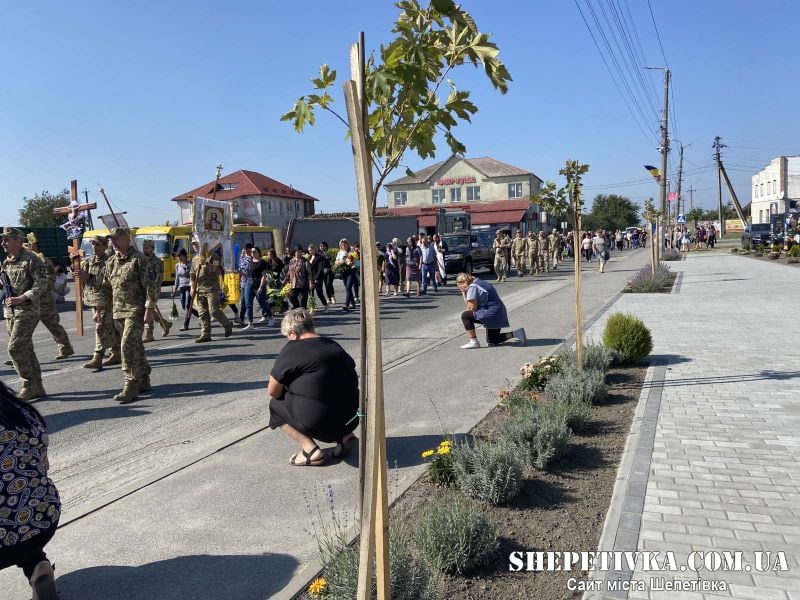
(256, 198)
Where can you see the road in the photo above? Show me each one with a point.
(206, 418)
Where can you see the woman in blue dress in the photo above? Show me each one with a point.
(485, 307)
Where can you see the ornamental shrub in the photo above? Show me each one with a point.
(645, 281)
(410, 579)
(671, 255)
(540, 433)
(456, 538)
(595, 356)
(746, 246)
(535, 375)
(490, 471)
(629, 336)
(576, 414)
(440, 468)
(587, 386)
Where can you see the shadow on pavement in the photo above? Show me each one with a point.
(404, 451)
(245, 577)
(64, 420)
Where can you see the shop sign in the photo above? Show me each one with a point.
(456, 180)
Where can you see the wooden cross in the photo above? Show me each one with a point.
(76, 251)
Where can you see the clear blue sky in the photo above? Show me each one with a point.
(147, 98)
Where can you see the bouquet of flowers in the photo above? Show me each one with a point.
(173, 311)
(351, 263)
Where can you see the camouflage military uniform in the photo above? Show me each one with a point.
(204, 276)
(129, 278)
(533, 254)
(555, 248)
(519, 248)
(28, 277)
(544, 253)
(98, 295)
(502, 247)
(156, 268)
(48, 313)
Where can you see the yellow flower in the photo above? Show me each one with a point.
(445, 443)
(427, 453)
(318, 586)
(443, 450)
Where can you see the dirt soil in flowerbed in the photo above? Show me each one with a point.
(562, 509)
(782, 260)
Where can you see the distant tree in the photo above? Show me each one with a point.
(694, 215)
(613, 212)
(728, 211)
(38, 211)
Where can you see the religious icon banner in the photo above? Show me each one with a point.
(213, 227)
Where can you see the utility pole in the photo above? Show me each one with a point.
(718, 146)
(664, 152)
(680, 182)
(691, 198)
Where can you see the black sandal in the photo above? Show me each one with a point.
(307, 455)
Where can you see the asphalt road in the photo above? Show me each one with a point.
(210, 399)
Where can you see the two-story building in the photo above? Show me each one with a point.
(256, 198)
(495, 194)
(776, 190)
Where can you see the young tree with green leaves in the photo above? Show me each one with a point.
(651, 215)
(409, 89)
(38, 211)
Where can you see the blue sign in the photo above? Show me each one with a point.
(681, 219)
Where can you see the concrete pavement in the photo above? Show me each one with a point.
(712, 462)
(231, 519)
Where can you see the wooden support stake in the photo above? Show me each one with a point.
(578, 311)
(76, 265)
(374, 522)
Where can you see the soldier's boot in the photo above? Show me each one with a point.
(31, 390)
(228, 329)
(65, 351)
(167, 325)
(148, 334)
(96, 362)
(129, 392)
(9, 363)
(204, 337)
(144, 384)
(115, 358)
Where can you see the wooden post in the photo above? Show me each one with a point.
(76, 265)
(576, 242)
(374, 522)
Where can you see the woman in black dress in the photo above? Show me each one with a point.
(314, 391)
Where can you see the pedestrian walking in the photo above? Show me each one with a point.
(519, 248)
(428, 266)
(483, 305)
(586, 247)
(544, 253)
(327, 273)
(156, 268)
(98, 296)
(391, 272)
(347, 264)
(255, 289)
(244, 261)
(205, 275)
(413, 265)
(48, 312)
(316, 275)
(441, 249)
(601, 250)
(183, 287)
(133, 301)
(532, 253)
(555, 247)
(502, 250)
(24, 278)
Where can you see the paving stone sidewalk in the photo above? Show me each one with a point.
(713, 463)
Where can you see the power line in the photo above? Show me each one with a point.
(658, 36)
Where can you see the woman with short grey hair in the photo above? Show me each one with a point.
(313, 387)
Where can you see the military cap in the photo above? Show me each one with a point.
(118, 232)
(12, 233)
(99, 239)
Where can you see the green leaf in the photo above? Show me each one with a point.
(445, 7)
(409, 172)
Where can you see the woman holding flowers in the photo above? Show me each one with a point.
(313, 387)
(346, 265)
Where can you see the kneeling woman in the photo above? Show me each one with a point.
(485, 307)
(314, 391)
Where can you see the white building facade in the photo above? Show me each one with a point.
(776, 189)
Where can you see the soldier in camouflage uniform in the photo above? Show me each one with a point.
(48, 313)
(519, 248)
(532, 251)
(544, 253)
(98, 295)
(555, 248)
(204, 277)
(133, 302)
(502, 249)
(157, 272)
(24, 282)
